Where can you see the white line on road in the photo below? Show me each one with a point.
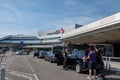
(31, 69)
(19, 72)
(11, 59)
(21, 75)
(36, 77)
(6, 78)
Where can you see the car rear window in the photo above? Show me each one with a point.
(79, 53)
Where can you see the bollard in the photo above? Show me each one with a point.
(109, 63)
(106, 66)
(2, 73)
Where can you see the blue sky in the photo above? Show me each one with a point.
(30, 16)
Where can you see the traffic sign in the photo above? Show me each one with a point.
(21, 44)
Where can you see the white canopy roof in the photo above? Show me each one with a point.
(101, 31)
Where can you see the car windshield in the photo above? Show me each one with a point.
(50, 54)
(43, 52)
(78, 53)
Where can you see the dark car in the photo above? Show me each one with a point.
(59, 57)
(42, 54)
(24, 53)
(36, 54)
(50, 57)
(75, 61)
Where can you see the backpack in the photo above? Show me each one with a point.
(101, 76)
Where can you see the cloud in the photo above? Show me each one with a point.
(82, 20)
(70, 3)
(11, 12)
(13, 30)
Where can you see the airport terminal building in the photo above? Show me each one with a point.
(45, 40)
(102, 32)
(18, 41)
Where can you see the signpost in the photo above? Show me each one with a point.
(21, 44)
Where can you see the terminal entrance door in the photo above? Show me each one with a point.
(109, 51)
(117, 50)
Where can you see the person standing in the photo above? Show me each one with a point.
(65, 59)
(92, 62)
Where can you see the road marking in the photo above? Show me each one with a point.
(19, 72)
(20, 75)
(36, 77)
(29, 65)
(6, 78)
(11, 59)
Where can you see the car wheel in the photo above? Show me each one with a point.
(45, 59)
(78, 68)
(50, 61)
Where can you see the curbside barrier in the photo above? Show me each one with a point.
(2, 73)
(111, 63)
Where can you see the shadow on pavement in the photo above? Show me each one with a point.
(112, 75)
(108, 72)
(112, 79)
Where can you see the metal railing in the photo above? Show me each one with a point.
(112, 63)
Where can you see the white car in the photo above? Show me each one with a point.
(18, 52)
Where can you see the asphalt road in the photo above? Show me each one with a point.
(28, 68)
